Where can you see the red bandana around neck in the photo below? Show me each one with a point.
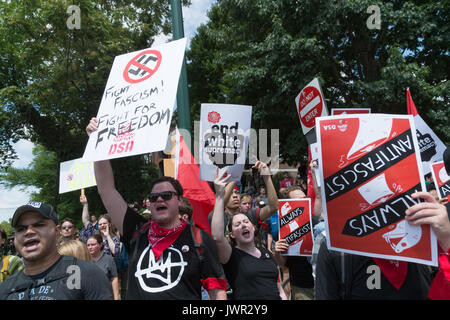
(160, 238)
(395, 271)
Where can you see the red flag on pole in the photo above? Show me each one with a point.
(411, 107)
(199, 193)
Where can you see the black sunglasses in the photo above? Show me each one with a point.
(66, 227)
(165, 195)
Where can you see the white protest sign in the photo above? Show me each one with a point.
(315, 156)
(75, 175)
(310, 104)
(224, 138)
(136, 108)
(431, 147)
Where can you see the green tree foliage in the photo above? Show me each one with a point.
(263, 52)
(40, 176)
(52, 77)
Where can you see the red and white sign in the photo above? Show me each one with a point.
(441, 179)
(338, 111)
(294, 220)
(136, 109)
(370, 166)
(310, 104)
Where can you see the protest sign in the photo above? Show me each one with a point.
(370, 166)
(136, 108)
(224, 138)
(431, 147)
(76, 175)
(338, 111)
(294, 220)
(310, 104)
(315, 156)
(441, 179)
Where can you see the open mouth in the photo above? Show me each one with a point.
(246, 233)
(161, 207)
(31, 245)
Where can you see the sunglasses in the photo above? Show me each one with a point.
(165, 195)
(66, 227)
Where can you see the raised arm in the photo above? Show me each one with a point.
(85, 213)
(217, 223)
(272, 196)
(111, 198)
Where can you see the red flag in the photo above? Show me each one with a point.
(411, 107)
(199, 193)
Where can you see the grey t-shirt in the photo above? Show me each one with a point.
(108, 265)
(68, 279)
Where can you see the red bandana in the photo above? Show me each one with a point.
(160, 238)
(395, 271)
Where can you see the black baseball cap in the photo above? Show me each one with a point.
(44, 209)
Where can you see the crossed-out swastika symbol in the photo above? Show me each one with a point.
(142, 66)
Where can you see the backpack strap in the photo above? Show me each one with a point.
(198, 242)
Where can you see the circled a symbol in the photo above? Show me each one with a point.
(142, 66)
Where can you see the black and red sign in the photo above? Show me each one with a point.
(370, 166)
(441, 179)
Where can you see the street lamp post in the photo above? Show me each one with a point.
(184, 119)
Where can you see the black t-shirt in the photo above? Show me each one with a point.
(300, 272)
(365, 280)
(67, 279)
(252, 278)
(178, 274)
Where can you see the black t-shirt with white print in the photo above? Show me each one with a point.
(178, 273)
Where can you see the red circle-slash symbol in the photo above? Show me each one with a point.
(138, 69)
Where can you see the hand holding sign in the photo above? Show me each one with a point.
(433, 213)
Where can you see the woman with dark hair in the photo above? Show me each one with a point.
(251, 271)
(104, 261)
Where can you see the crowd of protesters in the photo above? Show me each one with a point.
(154, 250)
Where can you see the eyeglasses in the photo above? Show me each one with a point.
(66, 227)
(165, 195)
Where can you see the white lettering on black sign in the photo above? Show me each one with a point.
(369, 165)
(381, 216)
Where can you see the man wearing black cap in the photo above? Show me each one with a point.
(47, 275)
